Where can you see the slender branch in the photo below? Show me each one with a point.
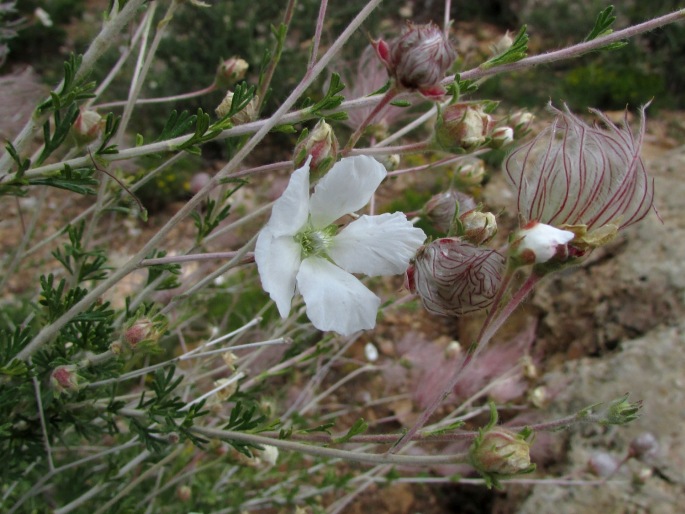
(387, 98)
(575, 50)
(160, 100)
(317, 34)
(352, 456)
(275, 58)
(172, 259)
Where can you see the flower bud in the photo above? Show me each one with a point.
(502, 45)
(441, 208)
(453, 277)
(521, 121)
(231, 71)
(500, 451)
(478, 227)
(87, 127)
(198, 181)
(537, 243)
(418, 59)
(470, 174)
(64, 379)
(461, 127)
(644, 446)
(269, 455)
(143, 334)
(246, 115)
(225, 393)
(502, 136)
(321, 144)
(184, 493)
(602, 464)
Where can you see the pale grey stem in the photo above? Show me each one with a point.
(575, 50)
(143, 64)
(347, 455)
(43, 425)
(104, 84)
(317, 34)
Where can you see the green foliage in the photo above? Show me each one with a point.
(517, 51)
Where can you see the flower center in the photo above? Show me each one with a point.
(315, 242)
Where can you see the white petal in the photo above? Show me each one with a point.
(346, 188)
(542, 240)
(278, 259)
(335, 299)
(377, 245)
(291, 210)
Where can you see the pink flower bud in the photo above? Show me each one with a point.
(231, 71)
(87, 127)
(64, 379)
(440, 209)
(502, 136)
(322, 145)
(501, 452)
(538, 243)
(419, 58)
(462, 127)
(144, 333)
(453, 277)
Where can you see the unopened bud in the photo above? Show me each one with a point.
(619, 412)
(225, 393)
(391, 161)
(321, 144)
(64, 379)
(602, 464)
(538, 243)
(461, 127)
(269, 455)
(500, 452)
(246, 115)
(418, 59)
(478, 227)
(87, 127)
(453, 277)
(143, 334)
(184, 493)
(441, 208)
(470, 174)
(173, 437)
(521, 121)
(198, 181)
(644, 446)
(231, 71)
(502, 45)
(502, 136)
(229, 359)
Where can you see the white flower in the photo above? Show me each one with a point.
(300, 246)
(538, 242)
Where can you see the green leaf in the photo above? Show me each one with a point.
(359, 427)
(605, 19)
(332, 99)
